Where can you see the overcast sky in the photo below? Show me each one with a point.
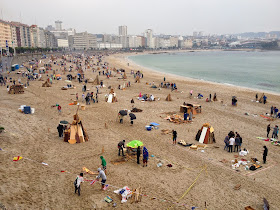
(163, 16)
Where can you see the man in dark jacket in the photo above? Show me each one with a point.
(268, 130)
(265, 154)
(174, 136)
(138, 154)
(60, 130)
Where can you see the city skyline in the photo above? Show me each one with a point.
(176, 18)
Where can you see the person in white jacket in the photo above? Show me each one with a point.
(78, 182)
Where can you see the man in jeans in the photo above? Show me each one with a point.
(103, 177)
(78, 182)
(231, 143)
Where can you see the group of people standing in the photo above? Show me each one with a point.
(233, 140)
(274, 112)
(274, 132)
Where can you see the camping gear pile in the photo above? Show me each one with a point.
(146, 97)
(175, 118)
(136, 110)
(16, 89)
(76, 133)
(183, 143)
(273, 141)
(125, 193)
(205, 135)
(26, 109)
(152, 125)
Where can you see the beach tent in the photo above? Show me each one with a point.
(76, 133)
(205, 135)
(137, 79)
(96, 81)
(124, 76)
(46, 84)
(168, 98)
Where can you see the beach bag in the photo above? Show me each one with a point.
(75, 182)
(252, 168)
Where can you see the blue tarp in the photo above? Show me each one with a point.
(154, 124)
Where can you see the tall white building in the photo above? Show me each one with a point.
(150, 40)
(135, 41)
(122, 30)
(58, 25)
(37, 35)
(123, 36)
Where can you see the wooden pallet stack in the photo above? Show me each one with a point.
(76, 133)
(16, 89)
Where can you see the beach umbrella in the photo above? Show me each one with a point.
(135, 144)
(132, 116)
(123, 112)
(58, 75)
(63, 122)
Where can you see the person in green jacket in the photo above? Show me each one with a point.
(103, 164)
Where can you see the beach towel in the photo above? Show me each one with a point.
(17, 158)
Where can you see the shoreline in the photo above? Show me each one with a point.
(144, 68)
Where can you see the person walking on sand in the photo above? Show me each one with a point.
(77, 96)
(265, 151)
(77, 183)
(257, 97)
(231, 143)
(174, 136)
(120, 147)
(138, 154)
(268, 130)
(59, 109)
(103, 164)
(145, 156)
(101, 175)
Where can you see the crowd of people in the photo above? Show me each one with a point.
(233, 141)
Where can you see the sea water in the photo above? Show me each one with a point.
(252, 69)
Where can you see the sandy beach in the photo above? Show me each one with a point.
(29, 184)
